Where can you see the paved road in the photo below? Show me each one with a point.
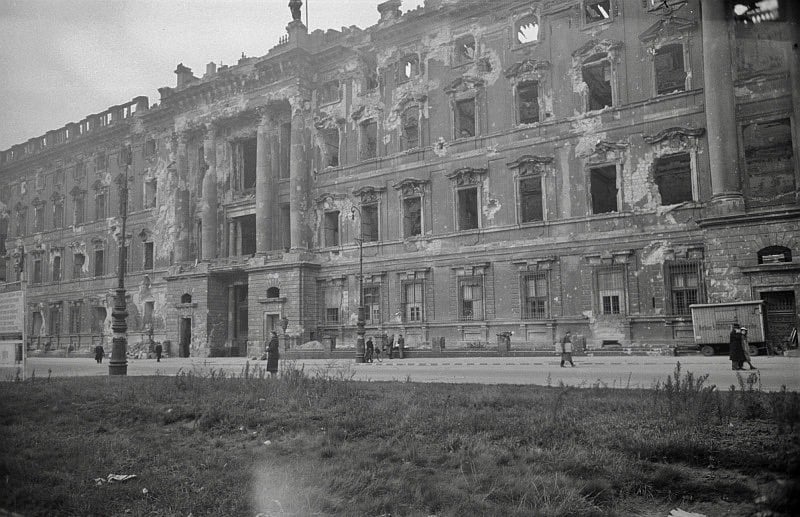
(614, 372)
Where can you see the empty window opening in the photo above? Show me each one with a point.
(684, 286)
(774, 255)
(604, 189)
(669, 69)
(273, 292)
(245, 163)
(611, 290)
(56, 269)
(150, 193)
(241, 324)
(465, 118)
(37, 271)
(331, 228)
(77, 265)
(597, 76)
(75, 319)
(247, 234)
(372, 305)
(369, 222)
(101, 161)
(412, 216)
(38, 218)
(80, 210)
(150, 147)
(285, 229)
(528, 30)
(331, 138)
(99, 263)
(100, 204)
(471, 299)
(410, 134)
(408, 68)
(147, 318)
(329, 92)
(597, 10)
(673, 175)
(465, 49)
(535, 296)
(186, 298)
(528, 102)
(468, 208)
(531, 205)
(148, 255)
(769, 160)
(369, 140)
(54, 323)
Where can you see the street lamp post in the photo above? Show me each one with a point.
(118, 365)
(360, 323)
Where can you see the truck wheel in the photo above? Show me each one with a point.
(707, 350)
(753, 350)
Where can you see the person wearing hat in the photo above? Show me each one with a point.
(736, 351)
(746, 348)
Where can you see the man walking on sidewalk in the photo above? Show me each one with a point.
(566, 349)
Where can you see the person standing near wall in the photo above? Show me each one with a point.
(98, 353)
(566, 349)
(736, 352)
(159, 351)
(273, 354)
(401, 346)
(746, 348)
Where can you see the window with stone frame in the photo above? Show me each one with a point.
(409, 138)
(535, 296)
(37, 270)
(596, 74)
(596, 11)
(603, 189)
(413, 300)
(150, 192)
(684, 285)
(22, 221)
(372, 304)
(407, 68)
(610, 290)
(58, 212)
(55, 269)
(527, 29)
(470, 298)
(370, 228)
(330, 137)
(54, 320)
(285, 140)
(673, 176)
(75, 318)
(769, 162)
(528, 102)
(148, 255)
(101, 203)
(368, 139)
(464, 118)
(329, 92)
(79, 208)
(244, 164)
(147, 318)
(468, 208)
(79, 170)
(150, 147)
(99, 262)
(331, 297)
(330, 228)
(464, 50)
(774, 255)
(101, 161)
(670, 71)
(78, 260)
(412, 216)
(38, 216)
(531, 203)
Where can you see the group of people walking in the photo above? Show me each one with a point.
(739, 351)
(388, 345)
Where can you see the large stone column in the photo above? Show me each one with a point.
(298, 178)
(183, 219)
(265, 185)
(720, 108)
(209, 201)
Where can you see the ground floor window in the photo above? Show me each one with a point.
(684, 286)
(470, 303)
(413, 301)
(610, 290)
(535, 295)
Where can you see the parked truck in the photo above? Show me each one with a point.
(712, 325)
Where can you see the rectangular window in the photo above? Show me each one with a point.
(245, 235)
(331, 228)
(597, 76)
(369, 223)
(56, 273)
(99, 263)
(58, 214)
(369, 140)
(147, 319)
(611, 290)
(412, 216)
(528, 102)
(468, 208)
(329, 92)
(684, 286)
(148, 255)
(413, 301)
(77, 265)
(75, 319)
(101, 161)
(100, 205)
(596, 11)
(673, 175)
(80, 210)
(372, 305)
(603, 189)
(150, 192)
(286, 148)
(38, 218)
(331, 137)
(54, 323)
(244, 164)
(150, 147)
(410, 130)
(465, 118)
(464, 51)
(22, 223)
(285, 229)
(769, 161)
(470, 293)
(331, 297)
(670, 73)
(531, 203)
(37, 271)
(331, 315)
(535, 296)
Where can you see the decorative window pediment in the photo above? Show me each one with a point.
(329, 200)
(667, 28)
(527, 69)
(535, 264)
(411, 186)
(606, 151)
(676, 136)
(478, 269)
(77, 192)
(610, 258)
(464, 84)
(467, 176)
(530, 165)
(409, 99)
(593, 47)
(369, 194)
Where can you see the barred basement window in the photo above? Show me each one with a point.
(670, 73)
(603, 189)
(684, 285)
(528, 102)
(610, 290)
(413, 301)
(535, 295)
(372, 305)
(673, 175)
(470, 294)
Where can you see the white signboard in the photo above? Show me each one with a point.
(8, 353)
(12, 313)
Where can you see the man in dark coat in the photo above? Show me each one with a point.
(98, 353)
(159, 351)
(370, 350)
(273, 354)
(736, 352)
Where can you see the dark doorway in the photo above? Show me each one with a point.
(186, 336)
(780, 318)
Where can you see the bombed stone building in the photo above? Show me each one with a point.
(494, 168)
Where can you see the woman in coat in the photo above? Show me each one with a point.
(736, 352)
(273, 354)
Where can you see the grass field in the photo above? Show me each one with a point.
(320, 443)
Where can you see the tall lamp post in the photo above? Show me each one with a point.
(118, 365)
(360, 323)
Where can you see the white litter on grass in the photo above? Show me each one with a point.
(677, 512)
(112, 478)
(268, 442)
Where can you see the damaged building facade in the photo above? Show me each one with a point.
(517, 168)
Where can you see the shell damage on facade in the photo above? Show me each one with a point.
(521, 168)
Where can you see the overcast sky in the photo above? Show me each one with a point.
(61, 60)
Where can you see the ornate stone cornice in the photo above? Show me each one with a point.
(411, 186)
(463, 84)
(597, 46)
(538, 162)
(527, 66)
(467, 176)
(368, 194)
(667, 27)
(674, 132)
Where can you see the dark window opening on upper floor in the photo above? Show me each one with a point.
(284, 232)
(769, 161)
(669, 69)
(369, 140)
(603, 186)
(407, 68)
(273, 292)
(247, 232)
(412, 216)
(531, 206)
(597, 76)
(100, 202)
(38, 218)
(331, 138)
(527, 29)
(150, 192)
(329, 92)
(774, 255)
(410, 135)
(150, 147)
(673, 175)
(80, 210)
(148, 255)
(55, 274)
(331, 228)
(78, 260)
(465, 118)
(528, 102)
(468, 208)
(597, 10)
(465, 49)
(186, 298)
(99, 263)
(37, 271)
(369, 222)
(245, 164)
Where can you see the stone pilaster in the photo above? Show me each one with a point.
(298, 178)
(183, 219)
(209, 200)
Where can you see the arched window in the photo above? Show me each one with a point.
(186, 298)
(774, 255)
(273, 292)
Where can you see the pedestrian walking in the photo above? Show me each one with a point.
(99, 353)
(273, 354)
(401, 346)
(735, 350)
(390, 346)
(159, 351)
(370, 350)
(746, 348)
(566, 349)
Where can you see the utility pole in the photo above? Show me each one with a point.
(118, 365)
